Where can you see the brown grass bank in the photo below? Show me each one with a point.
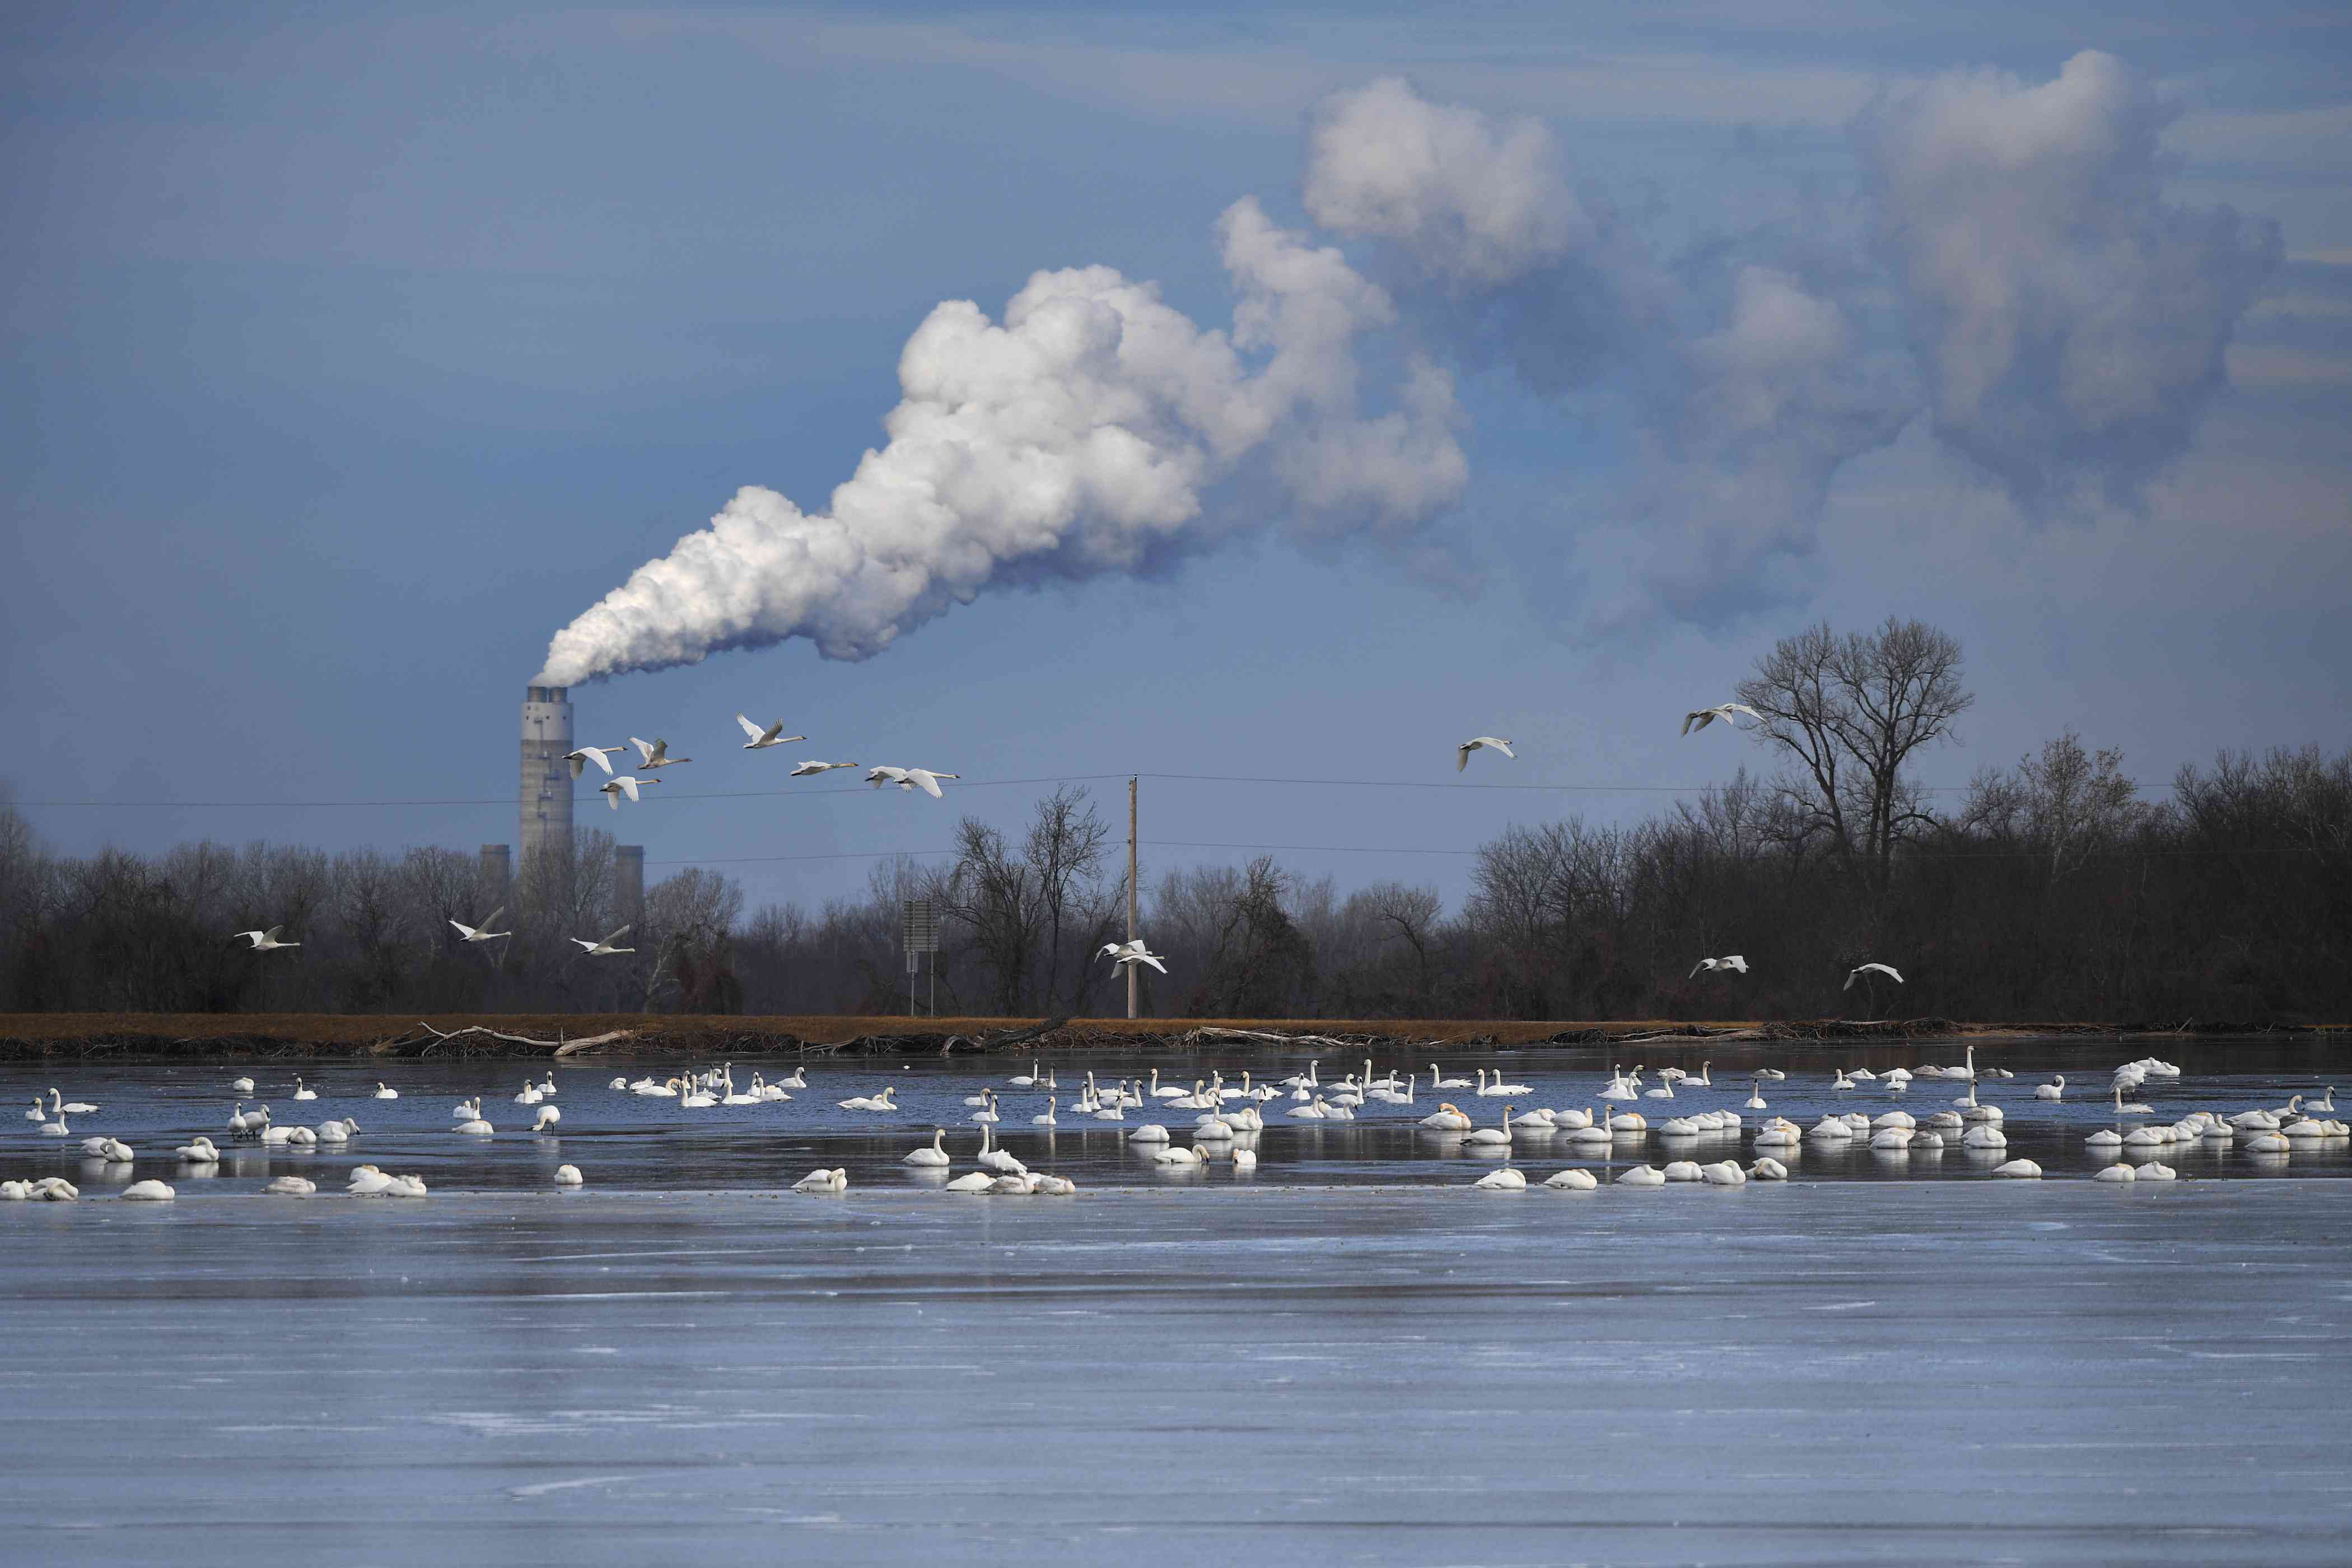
(205, 1036)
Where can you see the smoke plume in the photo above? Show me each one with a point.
(2008, 267)
(1074, 438)
(2071, 323)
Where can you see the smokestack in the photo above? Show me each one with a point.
(629, 883)
(546, 776)
(494, 879)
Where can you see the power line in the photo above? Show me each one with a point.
(1924, 856)
(509, 800)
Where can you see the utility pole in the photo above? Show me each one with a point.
(1132, 969)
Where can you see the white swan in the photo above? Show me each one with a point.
(935, 1152)
(241, 1085)
(201, 1151)
(2134, 1109)
(2054, 1089)
(1732, 961)
(1755, 1101)
(580, 759)
(1438, 1080)
(292, 1187)
(1447, 1118)
(2117, 1173)
(971, 1182)
(1572, 1180)
(1047, 1119)
(1862, 969)
(568, 1176)
(1643, 1176)
(148, 1192)
(548, 1117)
(1700, 718)
(924, 779)
(602, 945)
(337, 1131)
(483, 931)
(656, 754)
(263, 941)
(1482, 743)
(809, 768)
(63, 1106)
(774, 735)
(1503, 1180)
(465, 1110)
(1150, 1132)
(2023, 1169)
(870, 1101)
(1491, 1137)
(476, 1128)
(823, 1181)
(382, 1092)
(1177, 1155)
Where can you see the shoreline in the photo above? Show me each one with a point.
(272, 1037)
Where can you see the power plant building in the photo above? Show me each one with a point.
(546, 776)
(546, 799)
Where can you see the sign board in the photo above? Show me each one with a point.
(921, 926)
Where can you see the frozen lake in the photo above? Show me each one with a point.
(1827, 1372)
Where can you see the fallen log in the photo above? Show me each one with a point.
(558, 1047)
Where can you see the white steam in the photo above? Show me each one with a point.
(1076, 439)
(2070, 322)
(2009, 266)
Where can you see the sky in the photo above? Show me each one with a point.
(1272, 394)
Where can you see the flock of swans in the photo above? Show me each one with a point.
(1228, 1118)
(654, 755)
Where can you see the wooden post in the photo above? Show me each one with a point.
(1132, 969)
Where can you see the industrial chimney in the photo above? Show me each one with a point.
(546, 776)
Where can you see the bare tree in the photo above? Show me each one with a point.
(994, 894)
(1850, 712)
(1064, 850)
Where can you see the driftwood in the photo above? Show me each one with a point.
(559, 1047)
(1268, 1037)
(1019, 1036)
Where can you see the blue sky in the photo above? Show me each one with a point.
(352, 354)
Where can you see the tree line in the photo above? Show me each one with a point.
(2052, 890)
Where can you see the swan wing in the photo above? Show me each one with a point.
(493, 917)
(643, 748)
(577, 762)
(616, 935)
(1731, 708)
(1501, 745)
(753, 729)
(629, 786)
(1462, 754)
(465, 930)
(597, 754)
(925, 781)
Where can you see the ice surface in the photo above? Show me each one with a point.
(1826, 1371)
